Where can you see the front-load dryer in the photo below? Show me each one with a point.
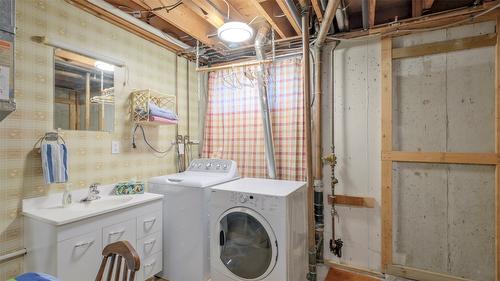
(258, 230)
(185, 217)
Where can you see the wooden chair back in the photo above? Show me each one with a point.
(118, 253)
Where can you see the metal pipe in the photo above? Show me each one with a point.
(13, 255)
(260, 40)
(335, 244)
(342, 18)
(293, 10)
(364, 13)
(331, 8)
(307, 128)
(317, 153)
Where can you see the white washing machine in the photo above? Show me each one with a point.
(185, 217)
(258, 230)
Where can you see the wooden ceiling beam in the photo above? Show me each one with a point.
(289, 16)
(416, 8)
(317, 9)
(267, 9)
(428, 21)
(203, 9)
(184, 19)
(113, 19)
(372, 6)
(427, 4)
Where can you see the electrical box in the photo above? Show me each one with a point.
(7, 33)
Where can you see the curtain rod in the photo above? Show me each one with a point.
(243, 63)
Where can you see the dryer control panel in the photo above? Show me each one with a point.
(212, 165)
(255, 201)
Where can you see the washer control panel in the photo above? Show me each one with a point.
(212, 165)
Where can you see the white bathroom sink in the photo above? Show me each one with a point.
(104, 202)
(49, 208)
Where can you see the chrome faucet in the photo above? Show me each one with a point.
(93, 193)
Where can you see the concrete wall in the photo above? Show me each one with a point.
(357, 142)
(443, 214)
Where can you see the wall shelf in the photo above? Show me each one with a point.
(140, 100)
(353, 201)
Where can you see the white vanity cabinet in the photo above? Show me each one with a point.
(72, 251)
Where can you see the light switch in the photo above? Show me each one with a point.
(115, 147)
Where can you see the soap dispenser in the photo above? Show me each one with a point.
(66, 198)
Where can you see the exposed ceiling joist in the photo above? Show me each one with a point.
(269, 9)
(289, 15)
(416, 8)
(118, 21)
(427, 4)
(317, 9)
(206, 11)
(184, 19)
(372, 6)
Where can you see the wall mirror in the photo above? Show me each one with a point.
(83, 93)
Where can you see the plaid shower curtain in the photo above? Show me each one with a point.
(233, 124)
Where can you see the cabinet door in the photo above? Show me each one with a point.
(78, 258)
(119, 232)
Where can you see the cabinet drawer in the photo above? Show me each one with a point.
(149, 245)
(118, 232)
(148, 224)
(151, 266)
(78, 258)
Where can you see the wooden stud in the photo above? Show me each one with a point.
(445, 46)
(354, 201)
(289, 16)
(443, 157)
(267, 9)
(419, 274)
(386, 209)
(497, 149)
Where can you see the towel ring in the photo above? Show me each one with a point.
(49, 137)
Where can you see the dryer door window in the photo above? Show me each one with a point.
(247, 244)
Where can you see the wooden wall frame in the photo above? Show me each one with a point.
(389, 156)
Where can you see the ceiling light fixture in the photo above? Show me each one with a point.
(234, 31)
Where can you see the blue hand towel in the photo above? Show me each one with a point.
(161, 112)
(54, 162)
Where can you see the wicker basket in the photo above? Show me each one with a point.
(141, 99)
